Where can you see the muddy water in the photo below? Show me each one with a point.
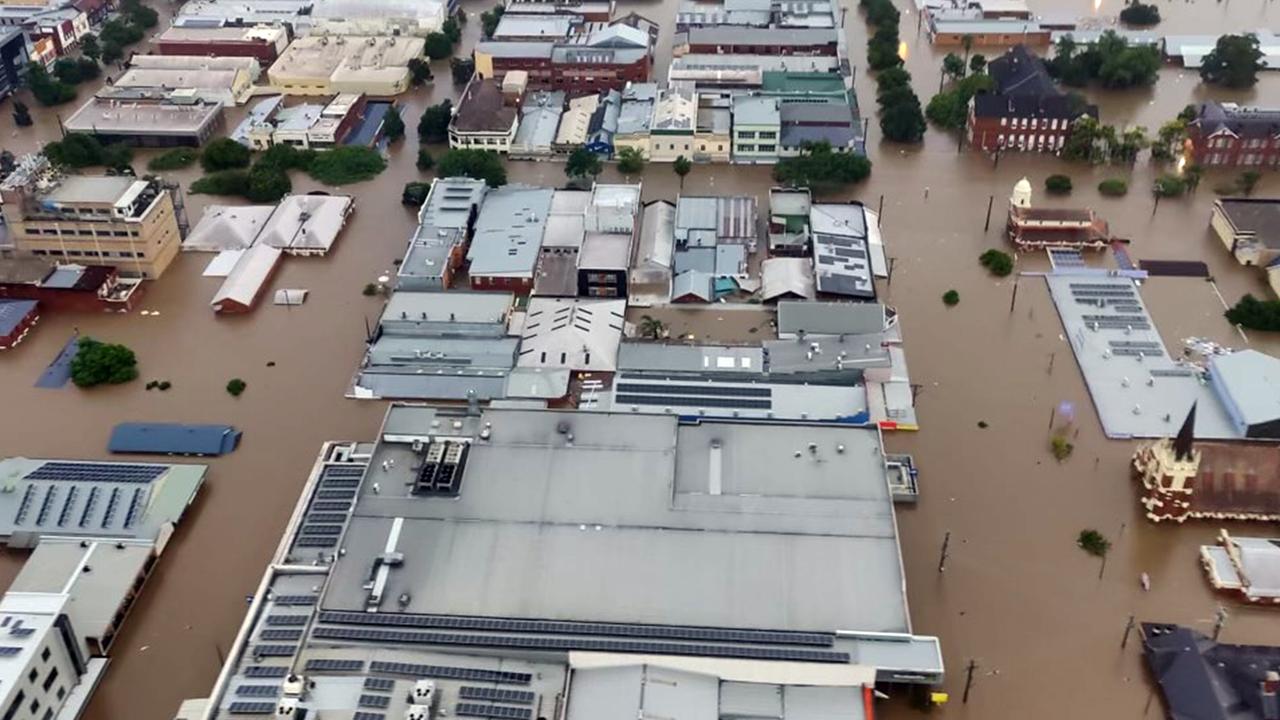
(1017, 596)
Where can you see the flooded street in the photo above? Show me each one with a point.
(1017, 596)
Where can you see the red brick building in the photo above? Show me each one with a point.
(263, 43)
(730, 40)
(606, 59)
(67, 288)
(1025, 110)
(16, 319)
(1227, 135)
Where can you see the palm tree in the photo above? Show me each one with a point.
(682, 167)
(652, 328)
(966, 41)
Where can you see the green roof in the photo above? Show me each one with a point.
(802, 82)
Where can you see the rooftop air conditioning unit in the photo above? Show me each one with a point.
(294, 686)
(288, 708)
(423, 694)
(417, 712)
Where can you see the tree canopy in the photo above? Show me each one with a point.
(489, 19)
(950, 108)
(346, 164)
(78, 150)
(224, 154)
(47, 89)
(882, 47)
(438, 46)
(1234, 62)
(953, 66)
(479, 164)
(393, 124)
(1255, 314)
(901, 118)
(630, 160)
(434, 125)
(582, 163)
(1140, 14)
(822, 169)
(99, 363)
(1111, 61)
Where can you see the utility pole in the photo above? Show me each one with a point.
(1219, 621)
(1014, 300)
(968, 681)
(942, 561)
(222, 658)
(1155, 207)
(1128, 628)
(991, 201)
(880, 211)
(889, 280)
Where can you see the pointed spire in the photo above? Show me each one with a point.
(1186, 436)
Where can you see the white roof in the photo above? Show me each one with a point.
(574, 121)
(783, 275)
(574, 334)
(248, 276)
(307, 222)
(227, 227)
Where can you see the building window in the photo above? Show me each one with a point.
(48, 714)
(16, 706)
(1004, 122)
(35, 705)
(31, 676)
(48, 681)
(768, 148)
(747, 135)
(62, 692)
(769, 135)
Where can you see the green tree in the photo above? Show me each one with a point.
(1255, 314)
(1189, 113)
(1083, 140)
(652, 328)
(822, 169)
(89, 69)
(950, 108)
(419, 71)
(236, 386)
(226, 182)
(452, 30)
(7, 163)
(951, 298)
(1169, 140)
(1247, 181)
(1234, 62)
(978, 64)
(1168, 186)
(630, 161)
(99, 363)
(489, 20)
(438, 46)
(347, 164)
(425, 161)
(89, 46)
(48, 90)
(392, 124)
(582, 163)
(1128, 145)
(173, 159)
(1057, 184)
(953, 66)
(479, 164)
(682, 166)
(1191, 176)
(111, 52)
(415, 193)
(267, 184)
(892, 79)
(434, 125)
(224, 154)
(903, 120)
(882, 48)
(1093, 542)
(461, 69)
(117, 156)
(1113, 187)
(67, 70)
(997, 262)
(21, 114)
(139, 14)
(966, 42)
(1139, 14)
(286, 157)
(78, 150)
(1111, 61)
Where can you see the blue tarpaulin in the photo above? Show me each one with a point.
(173, 439)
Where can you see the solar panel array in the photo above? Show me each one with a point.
(579, 643)
(97, 472)
(251, 708)
(283, 619)
(7, 650)
(377, 684)
(265, 671)
(505, 712)
(368, 716)
(451, 673)
(558, 627)
(275, 650)
(258, 690)
(295, 599)
(377, 702)
(280, 634)
(330, 506)
(58, 504)
(505, 695)
(334, 665)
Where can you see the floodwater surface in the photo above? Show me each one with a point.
(1042, 620)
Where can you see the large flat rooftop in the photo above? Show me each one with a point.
(624, 518)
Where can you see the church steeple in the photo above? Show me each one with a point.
(1182, 444)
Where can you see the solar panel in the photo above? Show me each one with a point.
(668, 400)
(89, 504)
(334, 665)
(265, 671)
(135, 507)
(27, 497)
(110, 512)
(519, 697)
(7, 650)
(275, 650)
(343, 471)
(45, 506)
(705, 389)
(287, 619)
(379, 684)
(258, 690)
(317, 541)
(335, 494)
(22, 632)
(280, 634)
(295, 599)
(97, 472)
(67, 504)
(378, 702)
(251, 708)
(506, 712)
(368, 716)
(559, 627)
(324, 517)
(321, 529)
(330, 506)
(566, 643)
(451, 673)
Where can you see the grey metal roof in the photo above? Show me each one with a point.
(755, 110)
(579, 334)
(445, 308)
(850, 354)
(441, 355)
(786, 37)
(538, 123)
(692, 283)
(711, 359)
(657, 239)
(483, 385)
(514, 49)
(13, 313)
(1251, 381)
(509, 231)
(622, 523)
(639, 691)
(830, 318)
(696, 259)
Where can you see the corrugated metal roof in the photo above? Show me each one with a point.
(509, 231)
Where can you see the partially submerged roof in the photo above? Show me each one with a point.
(830, 318)
(1202, 678)
(247, 277)
(1256, 218)
(13, 313)
(657, 239)
(482, 108)
(787, 277)
(1251, 383)
(578, 334)
(448, 307)
(173, 439)
(509, 231)
(307, 223)
(227, 227)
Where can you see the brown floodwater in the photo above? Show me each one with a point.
(1017, 596)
